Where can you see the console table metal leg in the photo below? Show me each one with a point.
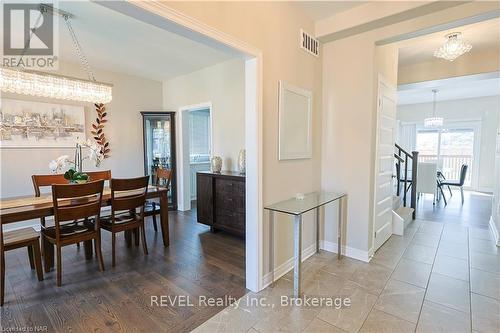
(271, 246)
(317, 230)
(339, 229)
(297, 255)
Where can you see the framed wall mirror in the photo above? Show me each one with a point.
(295, 122)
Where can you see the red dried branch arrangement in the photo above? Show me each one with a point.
(98, 129)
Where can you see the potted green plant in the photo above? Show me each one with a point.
(62, 162)
(77, 177)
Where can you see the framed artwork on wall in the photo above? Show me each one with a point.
(295, 122)
(29, 124)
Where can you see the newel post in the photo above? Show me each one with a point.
(414, 182)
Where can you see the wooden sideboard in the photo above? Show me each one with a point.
(220, 201)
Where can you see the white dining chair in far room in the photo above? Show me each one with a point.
(427, 181)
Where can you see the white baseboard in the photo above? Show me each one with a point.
(287, 266)
(346, 250)
(485, 189)
(371, 252)
(494, 230)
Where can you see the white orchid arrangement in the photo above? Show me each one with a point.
(63, 162)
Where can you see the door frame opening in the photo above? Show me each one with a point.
(183, 162)
(166, 18)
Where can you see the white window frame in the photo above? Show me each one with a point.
(475, 125)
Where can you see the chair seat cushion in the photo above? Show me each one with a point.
(151, 207)
(71, 229)
(20, 236)
(119, 219)
(450, 183)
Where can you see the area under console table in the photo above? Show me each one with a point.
(297, 207)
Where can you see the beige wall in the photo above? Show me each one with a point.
(224, 86)
(274, 27)
(485, 109)
(349, 88)
(484, 61)
(349, 97)
(124, 131)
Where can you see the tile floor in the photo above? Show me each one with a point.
(437, 278)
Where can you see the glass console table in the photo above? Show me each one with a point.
(297, 207)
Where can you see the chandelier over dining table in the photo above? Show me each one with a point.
(434, 121)
(40, 84)
(53, 86)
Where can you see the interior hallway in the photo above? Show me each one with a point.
(442, 276)
(475, 211)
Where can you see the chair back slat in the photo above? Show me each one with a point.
(128, 203)
(40, 181)
(463, 173)
(129, 184)
(99, 175)
(128, 194)
(77, 201)
(77, 191)
(165, 175)
(78, 211)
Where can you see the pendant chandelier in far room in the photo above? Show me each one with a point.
(433, 122)
(453, 48)
(33, 83)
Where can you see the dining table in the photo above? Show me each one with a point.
(25, 208)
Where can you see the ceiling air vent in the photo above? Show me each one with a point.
(309, 43)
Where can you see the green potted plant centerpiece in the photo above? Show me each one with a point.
(74, 173)
(76, 177)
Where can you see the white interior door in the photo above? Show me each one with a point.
(384, 165)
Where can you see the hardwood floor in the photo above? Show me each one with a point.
(476, 210)
(197, 263)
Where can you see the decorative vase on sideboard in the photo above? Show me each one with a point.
(216, 164)
(242, 160)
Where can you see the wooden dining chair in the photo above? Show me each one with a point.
(127, 196)
(11, 240)
(163, 178)
(41, 181)
(77, 210)
(99, 175)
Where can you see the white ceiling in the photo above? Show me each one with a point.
(115, 42)
(482, 36)
(472, 86)
(318, 10)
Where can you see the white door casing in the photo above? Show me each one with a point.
(384, 162)
(183, 165)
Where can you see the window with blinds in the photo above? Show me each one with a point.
(199, 135)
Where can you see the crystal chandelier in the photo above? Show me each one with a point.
(53, 86)
(453, 48)
(433, 122)
(19, 81)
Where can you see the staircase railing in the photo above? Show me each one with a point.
(404, 157)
